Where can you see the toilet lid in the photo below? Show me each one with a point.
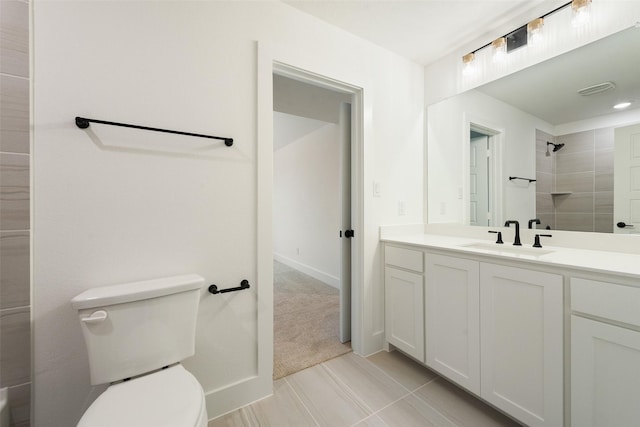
(167, 398)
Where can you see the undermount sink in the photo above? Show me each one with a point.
(509, 249)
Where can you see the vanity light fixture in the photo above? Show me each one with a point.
(622, 105)
(499, 46)
(467, 61)
(581, 12)
(534, 31)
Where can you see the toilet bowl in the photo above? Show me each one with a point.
(171, 397)
(136, 335)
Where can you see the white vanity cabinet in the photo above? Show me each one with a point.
(605, 354)
(521, 343)
(453, 319)
(404, 300)
(495, 330)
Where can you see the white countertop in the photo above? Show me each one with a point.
(589, 260)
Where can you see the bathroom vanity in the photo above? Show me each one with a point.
(550, 336)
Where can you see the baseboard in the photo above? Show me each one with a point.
(308, 270)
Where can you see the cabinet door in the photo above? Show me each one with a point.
(605, 374)
(452, 319)
(404, 311)
(521, 327)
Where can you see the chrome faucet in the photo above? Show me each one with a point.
(516, 242)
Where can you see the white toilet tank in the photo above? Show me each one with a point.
(134, 328)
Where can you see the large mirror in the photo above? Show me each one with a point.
(544, 143)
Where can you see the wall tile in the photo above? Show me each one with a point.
(604, 161)
(546, 219)
(14, 114)
(603, 202)
(544, 204)
(604, 181)
(14, 37)
(604, 223)
(604, 139)
(574, 222)
(14, 192)
(576, 142)
(574, 203)
(575, 162)
(544, 182)
(578, 182)
(544, 163)
(15, 353)
(14, 269)
(20, 405)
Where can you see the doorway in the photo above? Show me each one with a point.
(484, 201)
(311, 223)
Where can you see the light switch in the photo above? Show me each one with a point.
(377, 190)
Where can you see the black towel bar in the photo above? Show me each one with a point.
(83, 123)
(243, 285)
(511, 178)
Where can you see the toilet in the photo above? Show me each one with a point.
(136, 335)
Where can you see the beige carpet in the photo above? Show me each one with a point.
(306, 322)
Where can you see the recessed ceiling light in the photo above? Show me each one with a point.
(621, 105)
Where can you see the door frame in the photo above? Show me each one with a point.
(266, 67)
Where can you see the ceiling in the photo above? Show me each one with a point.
(421, 30)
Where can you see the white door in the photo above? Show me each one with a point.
(479, 181)
(345, 207)
(605, 374)
(452, 319)
(626, 184)
(521, 342)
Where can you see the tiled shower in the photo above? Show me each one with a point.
(575, 184)
(15, 223)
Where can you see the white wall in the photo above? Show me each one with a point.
(113, 205)
(448, 155)
(306, 206)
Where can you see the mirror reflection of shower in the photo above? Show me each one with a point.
(556, 147)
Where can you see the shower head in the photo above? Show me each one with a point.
(556, 147)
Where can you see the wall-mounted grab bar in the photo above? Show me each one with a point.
(83, 123)
(511, 178)
(243, 285)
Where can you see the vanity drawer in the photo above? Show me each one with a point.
(607, 300)
(404, 258)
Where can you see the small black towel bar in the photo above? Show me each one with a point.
(511, 178)
(243, 285)
(83, 123)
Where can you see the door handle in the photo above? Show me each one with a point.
(621, 224)
(349, 233)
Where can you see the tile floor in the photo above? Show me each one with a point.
(383, 390)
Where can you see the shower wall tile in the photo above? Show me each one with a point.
(20, 405)
(604, 223)
(575, 162)
(14, 37)
(577, 142)
(574, 221)
(14, 269)
(578, 182)
(544, 204)
(575, 203)
(544, 182)
(544, 163)
(603, 202)
(604, 161)
(604, 139)
(604, 181)
(15, 353)
(14, 114)
(14, 192)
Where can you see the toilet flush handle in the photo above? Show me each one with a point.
(96, 317)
